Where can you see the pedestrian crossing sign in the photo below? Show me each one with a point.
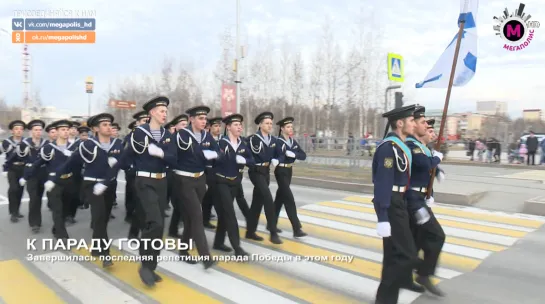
(395, 67)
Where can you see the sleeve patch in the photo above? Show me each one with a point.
(388, 162)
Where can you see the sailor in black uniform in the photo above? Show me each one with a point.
(83, 133)
(72, 207)
(179, 122)
(169, 127)
(287, 150)
(130, 197)
(194, 147)
(428, 233)
(51, 137)
(35, 186)
(262, 145)
(240, 199)
(97, 153)
(391, 171)
(83, 136)
(150, 153)
(141, 118)
(211, 198)
(64, 192)
(73, 132)
(234, 155)
(14, 167)
(115, 134)
(51, 133)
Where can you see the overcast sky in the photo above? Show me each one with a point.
(133, 37)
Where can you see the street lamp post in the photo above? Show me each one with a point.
(388, 89)
(237, 80)
(89, 90)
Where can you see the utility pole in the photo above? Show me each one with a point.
(237, 80)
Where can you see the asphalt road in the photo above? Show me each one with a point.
(488, 258)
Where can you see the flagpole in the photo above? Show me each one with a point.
(447, 100)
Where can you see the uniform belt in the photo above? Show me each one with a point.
(285, 165)
(399, 189)
(19, 163)
(420, 189)
(263, 164)
(229, 178)
(188, 174)
(92, 179)
(64, 176)
(209, 166)
(151, 174)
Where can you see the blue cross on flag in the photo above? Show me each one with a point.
(466, 64)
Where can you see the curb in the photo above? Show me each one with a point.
(451, 161)
(535, 206)
(443, 197)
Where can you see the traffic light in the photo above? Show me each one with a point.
(398, 100)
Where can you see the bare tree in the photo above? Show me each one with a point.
(285, 66)
(296, 85)
(166, 76)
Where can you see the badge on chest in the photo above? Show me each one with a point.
(206, 144)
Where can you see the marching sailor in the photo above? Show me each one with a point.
(427, 231)
(194, 146)
(130, 198)
(177, 123)
(262, 145)
(73, 132)
(14, 167)
(150, 152)
(96, 154)
(170, 129)
(51, 137)
(83, 136)
(240, 199)
(140, 118)
(391, 171)
(72, 207)
(115, 134)
(234, 155)
(64, 192)
(35, 186)
(211, 198)
(51, 133)
(287, 150)
(83, 133)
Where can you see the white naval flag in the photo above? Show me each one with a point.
(466, 65)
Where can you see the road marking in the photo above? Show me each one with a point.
(476, 214)
(356, 215)
(19, 285)
(349, 250)
(170, 291)
(224, 285)
(468, 260)
(324, 275)
(76, 280)
(492, 235)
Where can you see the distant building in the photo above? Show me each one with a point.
(492, 107)
(50, 114)
(532, 114)
(450, 126)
